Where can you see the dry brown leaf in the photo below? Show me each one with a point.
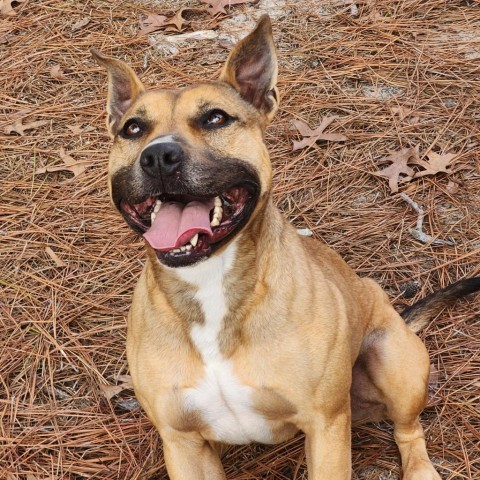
(69, 164)
(6, 6)
(412, 120)
(111, 390)
(402, 112)
(398, 167)
(452, 187)
(57, 73)
(405, 115)
(436, 163)
(58, 261)
(218, 6)
(313, 136)
(80, 24)
(151, 23)
(170, 24)
(78, 129)
(177, 20)
(20, 127)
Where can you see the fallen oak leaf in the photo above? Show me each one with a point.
(20, 127)
(313, 136)
(401, 111)
(452, 187)
(111, 390)
(77, 167)
(80, 24)
(398, 167)
(151, 23)
(57, 73)
(218, 6)
(78, 130)
(436, 163)
(176, 23)
(406, 115)
(178, 20)
(412, 120)
(6, 6)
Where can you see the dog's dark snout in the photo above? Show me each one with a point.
(162, 159)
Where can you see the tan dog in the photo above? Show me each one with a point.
(240, 330)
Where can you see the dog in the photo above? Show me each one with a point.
(241, 330)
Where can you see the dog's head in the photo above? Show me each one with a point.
(188, 167)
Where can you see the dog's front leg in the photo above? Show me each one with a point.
(190, 457)
(328, 447)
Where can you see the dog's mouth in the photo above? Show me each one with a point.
(183, 229)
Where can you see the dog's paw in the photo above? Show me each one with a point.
(423, 470)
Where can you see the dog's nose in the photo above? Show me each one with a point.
(162, 159)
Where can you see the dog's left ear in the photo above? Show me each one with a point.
(252, 69)
(123, 88)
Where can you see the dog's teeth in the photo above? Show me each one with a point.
(176, 250)
(218, 202)
(194, 240)
(156, 209)
(189, 247)
(183, 248)
(217, 216)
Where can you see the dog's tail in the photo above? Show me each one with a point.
(419, 314)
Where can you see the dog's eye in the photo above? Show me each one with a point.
(133, 128)
(215, 118)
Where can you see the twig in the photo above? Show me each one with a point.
(418, 233)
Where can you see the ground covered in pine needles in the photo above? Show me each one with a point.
(395, 74)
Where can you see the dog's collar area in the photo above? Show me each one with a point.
(184, 229)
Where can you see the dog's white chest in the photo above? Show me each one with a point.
(226, 407)
(224, 403)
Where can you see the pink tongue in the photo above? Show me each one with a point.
(176, 223)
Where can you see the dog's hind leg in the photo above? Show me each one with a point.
(391, 375)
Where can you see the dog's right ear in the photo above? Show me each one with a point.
(123, 88)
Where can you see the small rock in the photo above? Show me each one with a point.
(306, 232)
(410, 289)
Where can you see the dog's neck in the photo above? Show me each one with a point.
(213, 297)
